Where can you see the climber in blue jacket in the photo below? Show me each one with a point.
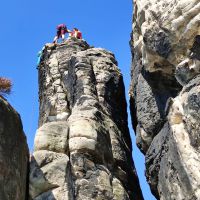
(39, 56)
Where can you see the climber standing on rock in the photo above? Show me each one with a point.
(76, 33)
(61, 31)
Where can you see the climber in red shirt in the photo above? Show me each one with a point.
(76, 33)
(61, 31)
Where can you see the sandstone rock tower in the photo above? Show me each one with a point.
(82, 147)
(13, 154)
(165, 94)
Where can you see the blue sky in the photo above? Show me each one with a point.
(27, 25)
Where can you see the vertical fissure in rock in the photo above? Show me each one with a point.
(69, 177)
(94, 80)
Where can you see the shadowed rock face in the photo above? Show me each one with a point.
(13, 154)
(165, 92)
(82, 148)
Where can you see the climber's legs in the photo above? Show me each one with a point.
(60, 34)
(55, 40)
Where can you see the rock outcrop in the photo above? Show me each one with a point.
(82, 147)
(13, 154)
(165, 94)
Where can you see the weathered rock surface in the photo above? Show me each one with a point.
(82, 147)
(165, 93)
(13, 155)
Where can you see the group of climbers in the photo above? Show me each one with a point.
(62, 30)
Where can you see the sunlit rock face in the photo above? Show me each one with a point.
(13, 154)
(82, 147)
(165, 92)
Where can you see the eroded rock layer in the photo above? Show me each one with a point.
(82, 147)
(13, 154)
(165, 94)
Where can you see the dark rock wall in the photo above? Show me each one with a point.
(82, 147)
(164, 94)
(13, 155)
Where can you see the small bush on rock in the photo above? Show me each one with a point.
(5, 86)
